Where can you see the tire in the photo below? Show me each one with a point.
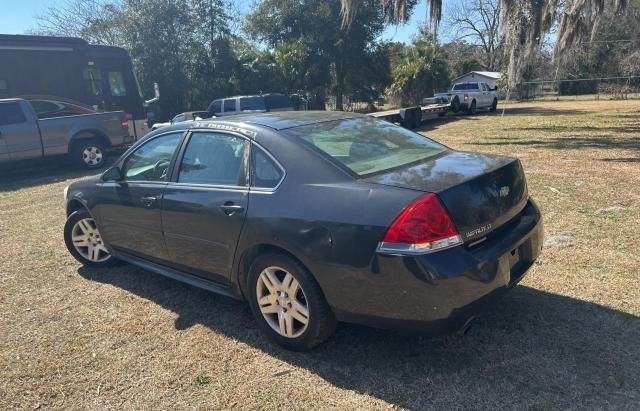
(282, 311)
(472, 108)
(88, 154)
(455, 104)
(494, 105)
(82, 233)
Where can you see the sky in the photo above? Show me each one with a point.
(19, 16)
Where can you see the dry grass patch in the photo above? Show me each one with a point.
(568, 337)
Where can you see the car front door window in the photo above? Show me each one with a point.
(150, 162)
(230, 105)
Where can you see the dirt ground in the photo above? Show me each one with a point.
(567, 337)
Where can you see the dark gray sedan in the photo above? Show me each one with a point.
(313, 218)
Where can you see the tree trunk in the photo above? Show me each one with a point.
(339, 83)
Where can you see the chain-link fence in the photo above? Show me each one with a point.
(606, 88)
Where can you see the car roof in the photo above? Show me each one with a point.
(251, 95)
(281, 120)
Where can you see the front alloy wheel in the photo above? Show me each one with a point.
(87, 241)
(83, 240)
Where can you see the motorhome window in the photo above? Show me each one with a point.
(117, 84)
(93, 81)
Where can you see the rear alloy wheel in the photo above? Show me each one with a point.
(287, 303)
(83, 240)
(282, 302)
(89, 154)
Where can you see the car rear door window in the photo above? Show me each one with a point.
(214, 159)
(230, 105)
(266, 173)
(277, 101)
(150, 162)
(11, 113)
(252, 103)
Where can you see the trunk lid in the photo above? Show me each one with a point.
(481, 192)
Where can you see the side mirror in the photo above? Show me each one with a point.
(495, 88)
(112, 174)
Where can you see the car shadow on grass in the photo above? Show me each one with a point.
(533, 349)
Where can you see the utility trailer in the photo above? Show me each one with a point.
(412, 117)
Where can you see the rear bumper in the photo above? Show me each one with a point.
(440, 292)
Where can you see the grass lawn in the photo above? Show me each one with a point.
(567, 337)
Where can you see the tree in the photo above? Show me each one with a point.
(92, 20)
(524, 23)
(478, 21)
(184, 45)
(333, 50)
(422, 71)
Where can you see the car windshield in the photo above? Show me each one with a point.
(366, 145)
(465, 86)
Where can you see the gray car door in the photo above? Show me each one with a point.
(19, 134)
(204, 208)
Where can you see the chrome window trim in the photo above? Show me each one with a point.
(215, 187)
(265, 190)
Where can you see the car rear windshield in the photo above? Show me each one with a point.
(466, 86)
(366, 145)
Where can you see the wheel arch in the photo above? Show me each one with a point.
(250, 254)
(89, 134)
(75, 205)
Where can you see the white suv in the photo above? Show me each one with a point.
(249, 104)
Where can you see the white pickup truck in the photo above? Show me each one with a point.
(470, 97)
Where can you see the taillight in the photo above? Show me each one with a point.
(124, 123)
(466, 97)
(424, 226)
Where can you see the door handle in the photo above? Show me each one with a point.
(148, 201)
(229, 208)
